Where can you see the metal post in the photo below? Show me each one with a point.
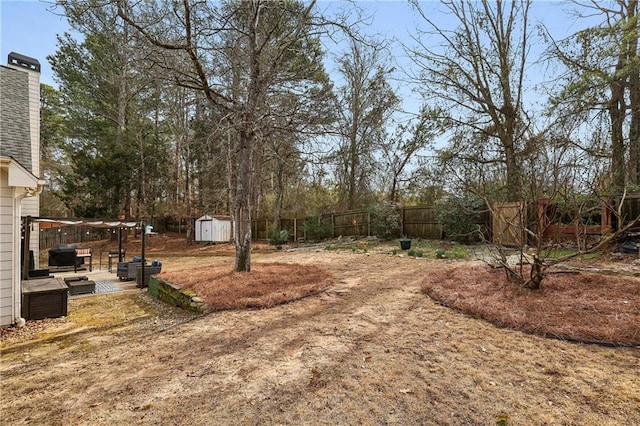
(26, 234)
(142, 282)
(120, 259)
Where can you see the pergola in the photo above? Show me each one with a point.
(46, 222)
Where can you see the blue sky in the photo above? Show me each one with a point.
(30, 27)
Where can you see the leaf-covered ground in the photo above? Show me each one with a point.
(371, 348)
(579, 306)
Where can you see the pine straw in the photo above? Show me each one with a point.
(267, 284)
(583, 307)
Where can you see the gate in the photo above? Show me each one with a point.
(509, 223)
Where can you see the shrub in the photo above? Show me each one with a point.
(315, 230)
(385, 220)
(278, 236)
(457, 252)
(459, 217)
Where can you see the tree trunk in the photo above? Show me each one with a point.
(278, 196)
(616, 114)
(353, 169)
(230, 182)
(632, 37)
(537, 275)
(394, 184)
(514, 181)
(242, 211)
(246, 134)
(122, 108)
(187, 192)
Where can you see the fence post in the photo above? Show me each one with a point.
(333, 235)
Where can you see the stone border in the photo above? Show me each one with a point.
(175, 295)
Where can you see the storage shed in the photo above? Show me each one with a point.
(215, 229)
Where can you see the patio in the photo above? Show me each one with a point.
(47, 297)
(106, 282)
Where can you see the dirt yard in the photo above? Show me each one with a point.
(370, 348)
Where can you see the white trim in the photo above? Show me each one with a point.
(24, 185)
(19, 176)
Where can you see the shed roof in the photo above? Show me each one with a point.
(215, 216)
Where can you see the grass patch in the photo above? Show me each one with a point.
(455, 252)
(415, 253)
(555, 254)
(102, 310)
(422, 244)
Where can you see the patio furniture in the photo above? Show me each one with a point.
(64, 255)
(127, 270)
(38, 274)
(83, 253)
(44, 298)
(149, 270)
(114, 254)
(80, 285)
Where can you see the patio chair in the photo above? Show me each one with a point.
(149, 270)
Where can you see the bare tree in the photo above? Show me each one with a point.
(269, 36)
(602, 84)
(476, 78)
(366, 103)
(399, 152)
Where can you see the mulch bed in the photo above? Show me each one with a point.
(267, 285)
(577, 306)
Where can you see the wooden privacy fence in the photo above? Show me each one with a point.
(505, 226)
(421, 221)
(51, 237)
(415, 221)
(260, 228)
(355, 223)
(509, 220)
(553, 228)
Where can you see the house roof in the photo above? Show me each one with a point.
(15, 136)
